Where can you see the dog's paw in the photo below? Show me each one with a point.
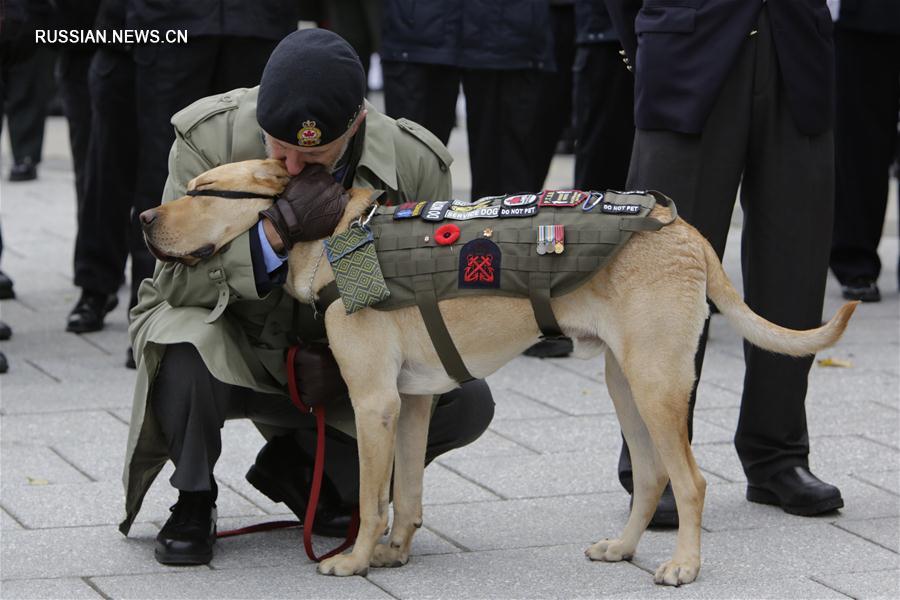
(343, 565)
(676, 573)
(609, 551)
(388, 556)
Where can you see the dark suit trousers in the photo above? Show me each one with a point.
(501, 116)
(72, 79)
(106, 233)
(604, 117)
(192, 406)
(26, 88)
(786, 192)
(865, 139)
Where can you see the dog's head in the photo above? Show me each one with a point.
(220, 204)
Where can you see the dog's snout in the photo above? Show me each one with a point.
(147, 217)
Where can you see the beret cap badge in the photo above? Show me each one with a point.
(309, 135)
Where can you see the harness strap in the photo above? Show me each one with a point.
(539, 294)
(651, 223)
(446, 350)
(328, 295)
(235, 194)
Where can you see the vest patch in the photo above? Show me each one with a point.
(518, 211)
(520, 200)
(483, 208)
(409, 210)
(436, 210)
(620, 209)
(561, 198)
(479, 265)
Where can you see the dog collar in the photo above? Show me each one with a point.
(231, 194)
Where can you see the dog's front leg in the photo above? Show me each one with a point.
(376, 427)
(409, 468)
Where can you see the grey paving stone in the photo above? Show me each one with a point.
(706, 588)
(51, 428)
(848, 389)
(442, 486)
(829, 456)
(739, 556)
(598, 434)
(98, 369)
(886, 480)
(280, 582)
(830, 419)
(727, 508)
(102, 459)
(101, 503)
(552, 572)
(869, 585)
(35, 465)
(7, 522)
(51, 589)
(489, 444)
(78, 552)
(38, 397)
(532, 522)
(509, 404)
(887, 438)
(885, 531)
(558, 388)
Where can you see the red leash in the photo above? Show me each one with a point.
(316, 488)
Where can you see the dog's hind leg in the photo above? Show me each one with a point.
(661, 379)
(409, 467)
(649, 474)
(376, 410)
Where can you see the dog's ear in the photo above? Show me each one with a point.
(272, 172)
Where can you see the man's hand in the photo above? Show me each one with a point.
(309, 208)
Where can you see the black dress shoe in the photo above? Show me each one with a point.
(666, 515)
(283, 473)
(89, 312)
(551, 348)
(5, 331)
(4, 364)
(23, 171)
(862, 289)
(796, 491)
(6, 287)
(129, 359)
(188, 536)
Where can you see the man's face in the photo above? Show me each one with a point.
(297, 157)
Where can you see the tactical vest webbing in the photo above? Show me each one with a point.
(419, 271)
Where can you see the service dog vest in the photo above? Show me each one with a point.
(536, 246)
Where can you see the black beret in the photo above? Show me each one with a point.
(312, 88)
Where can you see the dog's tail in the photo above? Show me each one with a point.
(759, 331)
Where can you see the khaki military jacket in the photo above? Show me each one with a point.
(215, 305)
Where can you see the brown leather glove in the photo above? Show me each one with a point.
(317, 374)
(309, 208)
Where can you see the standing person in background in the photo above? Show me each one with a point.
(358, 22)
(867, 51)
(106, 234)
(716, 107)
(26, 82)
(604, 102)
(498, 51)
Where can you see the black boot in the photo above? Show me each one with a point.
(188, 536)
(6, 287)
(89, 311)
(283, 472)
(797, 492)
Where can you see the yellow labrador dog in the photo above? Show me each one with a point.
(645, 309)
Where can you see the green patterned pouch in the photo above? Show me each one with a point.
(356, 269)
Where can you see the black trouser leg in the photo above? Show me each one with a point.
(28, 90)
(786, 179)
(422, 93)
(102, 244)
(867, 70)
(72, 80)
(604, 118)
(555, 93)
(501, 109)
(191, 407)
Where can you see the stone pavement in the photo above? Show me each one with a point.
(507, 517)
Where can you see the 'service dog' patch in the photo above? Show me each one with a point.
(479, 265)
(356, 269)
(484, 208)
